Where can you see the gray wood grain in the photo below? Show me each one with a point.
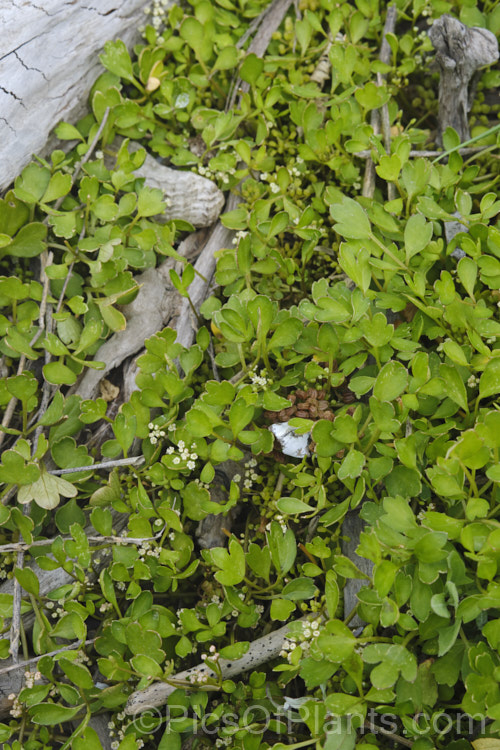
(352, 527)
(49, 59)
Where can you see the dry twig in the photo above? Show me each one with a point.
(380, 118)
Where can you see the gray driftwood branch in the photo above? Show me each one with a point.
(260, 651)
(461, 52)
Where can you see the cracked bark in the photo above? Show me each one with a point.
(47, 76)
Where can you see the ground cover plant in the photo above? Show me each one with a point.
(341, 311)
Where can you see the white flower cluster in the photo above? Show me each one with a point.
(158, 12)
(281, 520)
(147, 549)
(258, 380)
(16, 710)
(105, 606)
(310, 630)
(472, 381)
(275, 188)
(184, 454)
(239, 236)
(81, 658)
(250, 475)
(119, 731)
(219, 175)
(214, 654)
(155, 433)
(31, 677)
(198, 677)
(57, 612)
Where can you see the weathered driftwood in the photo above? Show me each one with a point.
(351, 530)
(49, 580)
(48, 63)
(205, 268)
(213, 530)
(181, 316)
(260, 651)
(265, 25)
(460, 53)
(156, 303)
(190, 196)
(379, 119)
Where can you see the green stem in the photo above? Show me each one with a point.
(372, 441)
(476, 138)
(389, 253)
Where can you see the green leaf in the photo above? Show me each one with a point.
(292, 505)
(227, 59)
(283, 547)
(418, 234)
(281, 609)
(46, 491)
(372, 96)
(89, 740)
(391, 381)
(28, 242)
(259, 560)
(58, 374)
(403, 481)
(299, 589)
(146, 666)
(251, 68)
(399, 514)
(32, 183)
(193, 33)
(467, 273)
(50, 714)
(340, 704)
(67, 132)
(28, 580)
(455, 387)
(240, 414)
(286, 334)
(59, 185)
(198, 423)
(352, 221)
(15, 470)
(117, 59)
(150, 202)
(352, 465)
(447, 637)
(77, 673)
(303, 32)
(232, 563)
(389, 167)
(489, 383)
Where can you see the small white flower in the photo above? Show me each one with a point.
(274, 187)
(176, 460)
